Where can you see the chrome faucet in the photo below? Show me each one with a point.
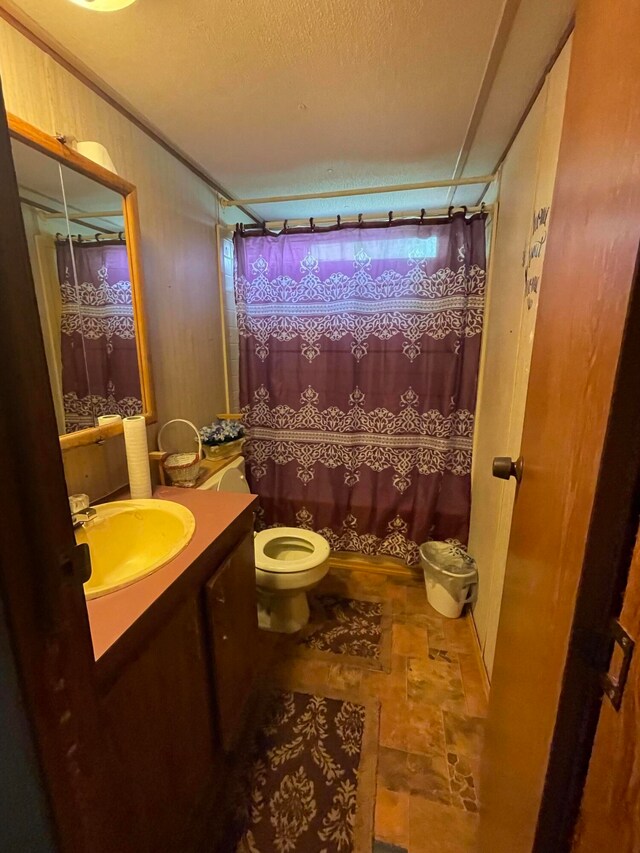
(81, 512)
(79, 519)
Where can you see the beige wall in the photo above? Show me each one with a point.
(178, 215)
(526, 188)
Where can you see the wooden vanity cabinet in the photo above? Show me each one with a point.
(158, 714)
(233, 636)
(180, 700)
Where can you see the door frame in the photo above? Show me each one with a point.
(609, 548)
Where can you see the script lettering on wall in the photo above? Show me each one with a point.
(533, 255)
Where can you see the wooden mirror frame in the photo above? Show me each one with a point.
(58, 150)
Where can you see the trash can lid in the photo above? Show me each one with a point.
(450, 557)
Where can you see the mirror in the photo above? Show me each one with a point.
(81, 227)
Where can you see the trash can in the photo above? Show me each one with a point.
(450, 576)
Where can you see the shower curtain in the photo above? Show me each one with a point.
(99, 358)
(359, 352)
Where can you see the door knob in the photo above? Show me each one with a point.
(504, 467)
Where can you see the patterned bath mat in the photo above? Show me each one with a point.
(353, 631)
(309, 783)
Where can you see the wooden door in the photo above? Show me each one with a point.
(40, 581)
(589, 272)
(610, 812)
(233, 630)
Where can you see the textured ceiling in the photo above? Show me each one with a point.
(293, 96)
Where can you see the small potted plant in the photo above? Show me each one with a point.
(221, 438)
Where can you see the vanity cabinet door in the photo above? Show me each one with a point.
(233, 631)
(159, 715)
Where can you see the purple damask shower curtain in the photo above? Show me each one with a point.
(99, 357)
(359, 352)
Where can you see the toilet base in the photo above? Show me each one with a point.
(283, 613)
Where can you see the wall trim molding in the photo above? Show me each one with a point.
(356, 562)
(486, 681)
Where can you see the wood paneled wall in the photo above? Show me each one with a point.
(526, 191)
(178, 214)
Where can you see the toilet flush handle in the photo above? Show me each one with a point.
(504, 467)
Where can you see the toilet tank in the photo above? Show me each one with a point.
(231, 478)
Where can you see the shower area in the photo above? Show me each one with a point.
(353, 348)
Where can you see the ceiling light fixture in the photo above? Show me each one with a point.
(103, 5)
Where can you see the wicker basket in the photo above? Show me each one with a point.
(221, 451)
(181, 468)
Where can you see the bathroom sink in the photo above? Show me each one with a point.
(130, 539)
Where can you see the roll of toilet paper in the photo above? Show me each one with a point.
(135, 442)
(98, 153)
(107, 420)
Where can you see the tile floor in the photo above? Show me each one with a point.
(433, 704)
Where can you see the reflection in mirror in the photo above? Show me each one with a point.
(76, 235)
(99, 356)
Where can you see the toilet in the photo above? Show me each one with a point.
(289, 561)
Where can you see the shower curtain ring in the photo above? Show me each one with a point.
(338, 221)
(390, 216)
(450, 213)
(284, 227)
(312, 224)
(359, 220)
(422, 212)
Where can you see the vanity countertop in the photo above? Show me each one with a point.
(112, 615)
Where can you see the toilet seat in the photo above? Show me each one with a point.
(314, 550)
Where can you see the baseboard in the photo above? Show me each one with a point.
(356, 562)
(478, 653)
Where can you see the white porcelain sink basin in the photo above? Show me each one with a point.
(130, 539)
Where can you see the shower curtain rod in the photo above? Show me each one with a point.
(49, 213)
(102, 214)
(397, 188)
(372, 217)
(97, 237)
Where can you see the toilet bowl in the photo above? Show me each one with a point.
(289, 561)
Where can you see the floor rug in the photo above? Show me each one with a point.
(355, 631)
(308, 783)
